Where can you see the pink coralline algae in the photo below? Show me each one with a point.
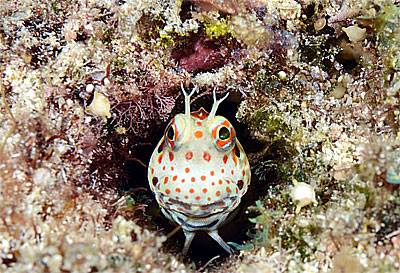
(201, 54)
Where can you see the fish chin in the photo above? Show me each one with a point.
(198, 210)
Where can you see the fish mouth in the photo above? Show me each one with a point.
(195, 210)
(188, 222)
(196, 226)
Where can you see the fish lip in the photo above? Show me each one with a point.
(199, 210)
(200, 216)
(175, 201)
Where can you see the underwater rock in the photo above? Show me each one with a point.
(200, 53)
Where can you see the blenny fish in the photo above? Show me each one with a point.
(199, 171)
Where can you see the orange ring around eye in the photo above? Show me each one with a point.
(223, 143)
(177, 125)
(171, 141)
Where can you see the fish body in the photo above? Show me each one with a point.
(199, 172)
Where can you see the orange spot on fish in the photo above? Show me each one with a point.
(234, 157)
(154, 180)
(174, 178)
(193, 179)
(178, 190)
(212, 173)
(207, 156)
(228, 189)
(203, 177)
(165, 180)
(167, 191)
(160, 157)
(240, 184)
(198, 134)
(197, 198)
(189, 155)
(191, 190)
(218, 193)
(187, 170)
(171, 156)
(225, 159)
(205, 190)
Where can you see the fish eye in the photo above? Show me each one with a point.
(224, 133)
(174, 130)
(171, 133)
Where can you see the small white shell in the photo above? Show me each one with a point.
(100, 106)
(320, 23)
(355, 33)
(302, 194)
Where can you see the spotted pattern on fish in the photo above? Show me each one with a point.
(199, 171)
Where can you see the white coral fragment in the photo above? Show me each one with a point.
(122, 229)
(100, 106)
(302, 194)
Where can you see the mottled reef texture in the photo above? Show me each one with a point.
(87, 88)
